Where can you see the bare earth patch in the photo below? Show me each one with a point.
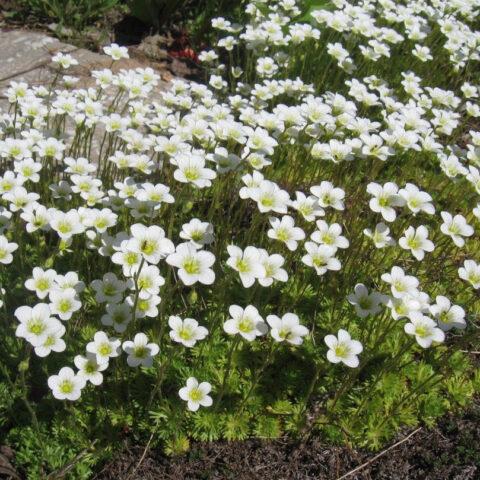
(450, 451)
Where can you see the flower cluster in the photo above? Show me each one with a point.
(275, 211)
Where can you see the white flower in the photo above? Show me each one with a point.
(37, 218)
(287, 328)
(217, 82)
(9, 181)
(251, 182)
(17, 149)
(79, 166)
(64, 59)
(156, 194)
(329, 196)
(402, 307)
(191, 169)
(247, 263)
(266, 67)
(140, 351)
(373, 145)
(20, 199)
(470, 272)
(128, 257)
(149, 281)
(66, 224)
(27, 170)
(385, 198)
(447, 315)
(196, 394)
(193, 265)
(273, 271)
(456, 227)
(101, 220)
(51, 148)
(400, 283)
(110, 289)
(285, 231)
(422, 53)
(321, 257)
(343, 349)
(380, 236)
(42, 282)
(417, 200)
(425, 330)
(307, 206)
(329, 235)
(66, 385)
(104, 347)
(260, 141)
(150, 242)
(416, 240)
(116, 52)
(89, 369)
(475, 211)
(197, 232)
(186, 331)
(5, 217)
(118, 315)
(225, 161)
(35, 323)
(366, 303)
(145, 307)
(6, 250)
(64, 303)
(270, 197)
(53, 341)
(246, 322)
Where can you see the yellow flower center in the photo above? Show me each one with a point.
(245, 325)
(148, 247)
(341, 350)
(191, 266)
(195, 395)
(141, 352)
(191, 174)
(185, 333)
(64, 305)
(36, 327)
(105, 349)
(66, 386)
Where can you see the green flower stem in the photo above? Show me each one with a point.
(227, 370)
(137, 290)
(312, 385)
(258, 376)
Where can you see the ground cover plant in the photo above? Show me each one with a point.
(95, 23)
(289, 248)
(68, 13)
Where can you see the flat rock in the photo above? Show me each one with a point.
(26, 56)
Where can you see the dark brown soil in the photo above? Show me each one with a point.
(451, 451)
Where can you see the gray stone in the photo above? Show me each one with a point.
(24, 51)
(26, 56)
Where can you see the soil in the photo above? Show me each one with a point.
(450, 451)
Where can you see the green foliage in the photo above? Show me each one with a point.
(77, 14)
(40, 452)
(262, 388)
(193, 15)
(155, 12)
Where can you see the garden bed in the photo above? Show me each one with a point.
(450, 451)
(195, 274)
